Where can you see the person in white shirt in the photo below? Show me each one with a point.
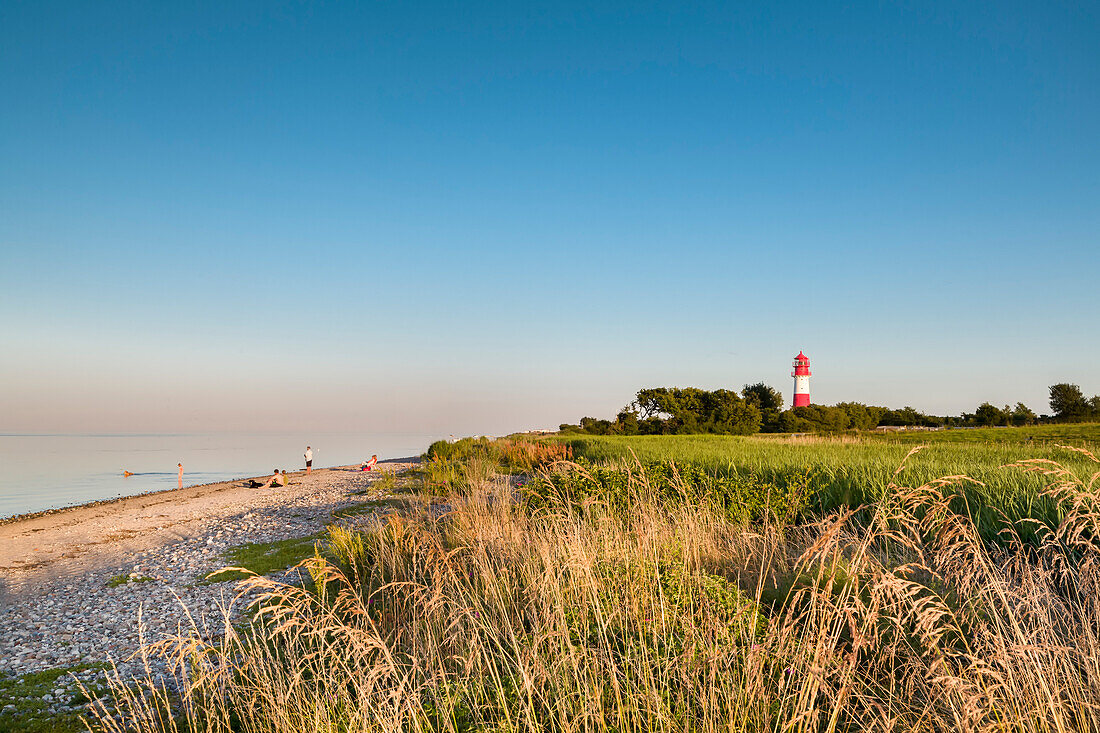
(309, 460)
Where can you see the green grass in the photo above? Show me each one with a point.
(355, 510)
(373, 505)
(385, 482)
(1083, 435)
(262, 558)
(31, 714)
(124, 578)
(856, 470)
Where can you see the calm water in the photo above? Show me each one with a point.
(46, 471)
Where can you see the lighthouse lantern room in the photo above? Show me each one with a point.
(801, 376)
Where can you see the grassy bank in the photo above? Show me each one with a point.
(659, 616)
(857, 470)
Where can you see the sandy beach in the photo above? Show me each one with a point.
(56, 605)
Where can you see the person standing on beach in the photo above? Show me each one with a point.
(179, 479)
(309, 460)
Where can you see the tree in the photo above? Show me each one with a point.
(909, 416)
(988, 414)
(815, 418)
(768, 401)
(626, 422)
(725, 412)
(689, 410)
(790, 422)
(653, 402)
(1068, 403)
(860, 416)
(1022, 415)
(764, 397)
(595, 427)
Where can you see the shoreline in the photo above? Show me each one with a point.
(154, 492)
(75, 540)
(73, 580)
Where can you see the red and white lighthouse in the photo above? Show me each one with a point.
(801, 376)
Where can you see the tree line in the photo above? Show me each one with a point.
(759, 408)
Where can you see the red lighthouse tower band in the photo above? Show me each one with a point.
(801, 376)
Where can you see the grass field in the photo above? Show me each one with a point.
(857, 469)
(1081, 435)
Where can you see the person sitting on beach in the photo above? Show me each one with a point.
(277, 479)
(367, 466)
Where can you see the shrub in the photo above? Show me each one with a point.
(506, 453)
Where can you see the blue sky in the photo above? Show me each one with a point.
(483, 217)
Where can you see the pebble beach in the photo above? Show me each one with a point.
(74, 583)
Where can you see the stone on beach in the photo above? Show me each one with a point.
(64, 613)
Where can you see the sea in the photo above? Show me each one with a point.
(39, 472)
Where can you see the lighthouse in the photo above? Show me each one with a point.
(801, 376)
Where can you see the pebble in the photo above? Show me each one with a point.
(82, 621)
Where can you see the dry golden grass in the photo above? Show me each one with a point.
(668, 619)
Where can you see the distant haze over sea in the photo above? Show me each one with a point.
(40, 472)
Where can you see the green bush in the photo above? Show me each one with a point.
(506, 455)
(443, 450)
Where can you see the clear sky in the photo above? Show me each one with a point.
(463, 217)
